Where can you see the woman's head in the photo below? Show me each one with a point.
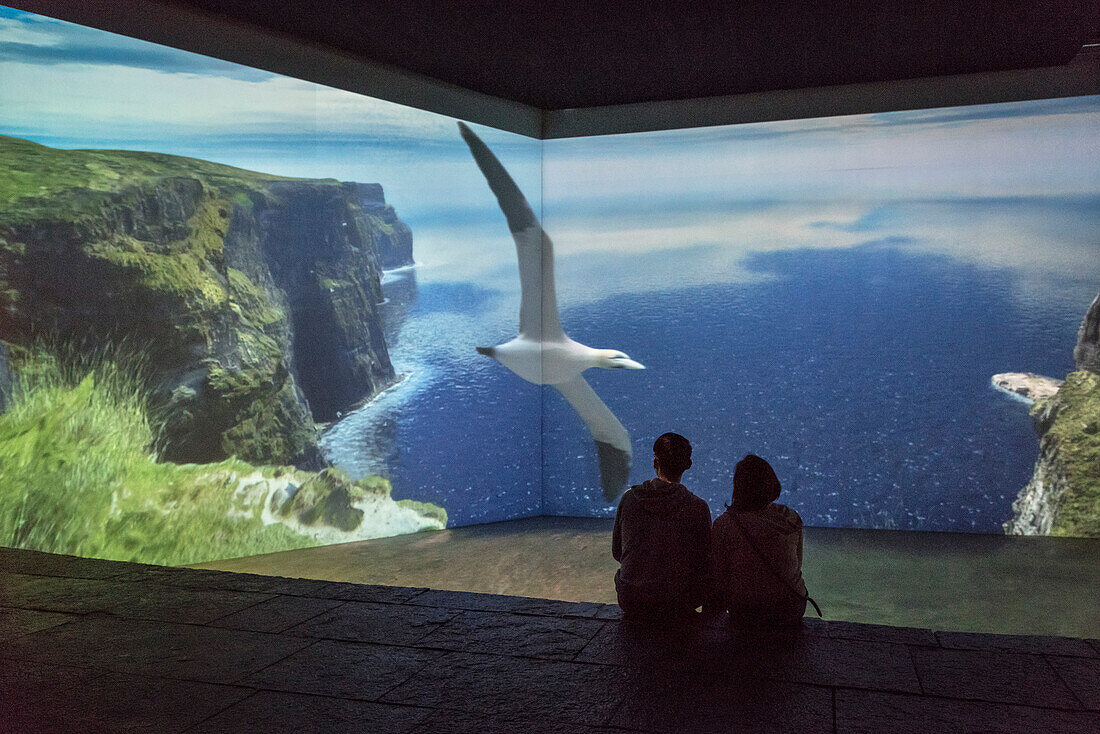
(754, 484)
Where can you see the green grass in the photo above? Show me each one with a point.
(79, 472)
(33, 170)
(79, 475)
(71, 435)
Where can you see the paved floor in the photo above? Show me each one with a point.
(102, 646)
(948, 581)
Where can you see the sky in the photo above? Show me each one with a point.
(69, 86)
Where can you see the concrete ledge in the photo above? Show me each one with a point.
(89, 645)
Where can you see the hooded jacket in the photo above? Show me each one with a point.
(743, 579)
(662, 536)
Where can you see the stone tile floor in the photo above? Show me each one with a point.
(101, 646)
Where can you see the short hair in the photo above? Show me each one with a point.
(755, 484)
(673, 453)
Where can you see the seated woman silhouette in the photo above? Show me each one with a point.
(756, 552)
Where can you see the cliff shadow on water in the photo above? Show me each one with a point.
(252, 304)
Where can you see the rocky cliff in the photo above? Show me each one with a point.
(1063, 496)
(255, 297)
(392, 237)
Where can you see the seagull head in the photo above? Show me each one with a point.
(612, 359)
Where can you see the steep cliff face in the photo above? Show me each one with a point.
(1063, 496)
(313, 253)
(255, 297)
(393, 238)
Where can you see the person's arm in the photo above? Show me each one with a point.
(719, 576)
(616, 534)
(704, 576)
(701, 533)
(800, 550)
(800, 526)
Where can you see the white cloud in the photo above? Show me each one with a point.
(36, 30)
(1012, 155)
(113, 101)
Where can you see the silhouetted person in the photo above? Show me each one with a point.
(662, 540)
(756, 552)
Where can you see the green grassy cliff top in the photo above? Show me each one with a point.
(33, 170)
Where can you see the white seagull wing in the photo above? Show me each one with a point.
(612, 440)
(538, 311)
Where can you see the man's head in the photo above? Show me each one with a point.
(754, 484)
(671, 456)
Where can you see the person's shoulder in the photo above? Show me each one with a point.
(789, 514)
(696, 502)
(692, 497)
(629, 495)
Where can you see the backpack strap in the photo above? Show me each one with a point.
(764, 560)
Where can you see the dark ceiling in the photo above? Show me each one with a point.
(559, 54)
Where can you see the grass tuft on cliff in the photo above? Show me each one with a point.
(73, 431)
(79, 473)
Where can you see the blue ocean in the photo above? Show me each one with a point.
(860, 370)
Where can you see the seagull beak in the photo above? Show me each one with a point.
(630, 364)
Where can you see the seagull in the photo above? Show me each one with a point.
(542, 353)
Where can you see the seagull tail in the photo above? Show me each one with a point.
(614, 470)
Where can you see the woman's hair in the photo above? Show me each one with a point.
(754, 484)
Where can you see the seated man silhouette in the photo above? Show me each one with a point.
(662, 540)
(756, 552)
